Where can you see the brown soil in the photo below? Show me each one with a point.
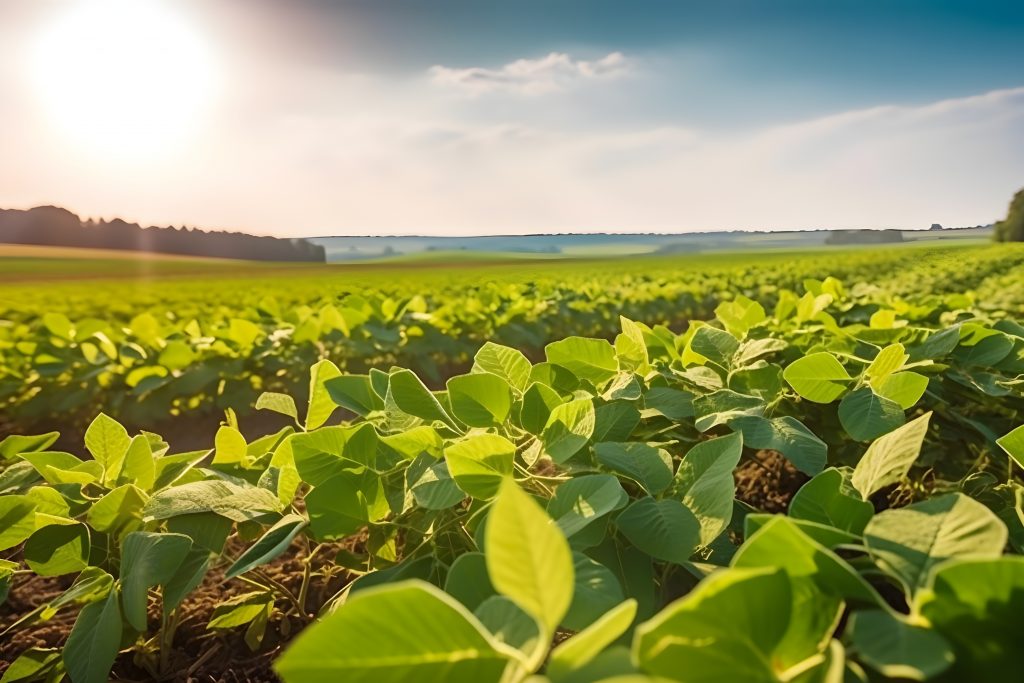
(198, 655)
(768, 481)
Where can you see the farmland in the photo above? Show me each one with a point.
(789, 465)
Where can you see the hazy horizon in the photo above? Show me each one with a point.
(314, 118)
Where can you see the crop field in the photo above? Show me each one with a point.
(799, 466)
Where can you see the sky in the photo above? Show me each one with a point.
(311, 117)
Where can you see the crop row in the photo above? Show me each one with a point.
(575, 518)
(172, 349)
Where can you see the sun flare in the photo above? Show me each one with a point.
(123, 77)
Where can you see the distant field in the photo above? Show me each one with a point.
(463, 256)
(20, 262)
(43, 264)
(38, 251)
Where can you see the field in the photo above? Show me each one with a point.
(798, 465)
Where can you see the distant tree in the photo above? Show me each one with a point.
(936, 226)
(50, 225)
(1011, 228)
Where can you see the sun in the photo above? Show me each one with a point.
(123, 77)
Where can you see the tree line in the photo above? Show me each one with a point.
(1011, 228)
(54, 226)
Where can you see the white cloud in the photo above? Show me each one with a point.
(554, 72)
(303, 153)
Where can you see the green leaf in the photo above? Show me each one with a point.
(740, 314)
(355, 393)
(94, 641)
(896, 648)
(910, 541)
(815, 616)
(508, 363)
(976, 605)
(753, 350)
(818, 377)
(672, 404)
(415, 442)
(91, 585)
(63, 468)
(597, 590)
(34, 664)
(227, 499)
(431, 484)
(58, 549)
(866, 415)
(890, 457)
(279, 403)
(568, 429)
(538, 402)
(148, 560)
(513, 627)
(528, 558)
(589, 359)
(468, 580)
(823, 534)
(648, 466)
(59, 325)
(904, 388)
(719, 407)
(177, 355)
(615, 421)
(719, 632)
(106, 440)
(481, 399)
(240, 610)
(664, 529)
(584, 499)
(436, 639)
(329, 451)
(230, 446)
(17, 520)
(320, 404)
(937, 345)
(414, 398)
(631, 348)
(346, 503)
(889, 360)
(829, 498)
(714, 344)
(705, 484)
(116, 509)
(583, 647)
(187, 578)
(138, 466)
(207, 530)
(479, 463)
(1013, 444)
(14, 445)
(7, 569)
(788, 436)
(274, 542)
(781, 543)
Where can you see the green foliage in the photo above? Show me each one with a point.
(588, 500)
(1011, 228)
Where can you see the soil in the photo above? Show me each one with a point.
(199, 655)
(768, 481)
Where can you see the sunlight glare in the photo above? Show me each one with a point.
(123, 77)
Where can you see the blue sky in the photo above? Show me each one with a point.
(456, 117)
